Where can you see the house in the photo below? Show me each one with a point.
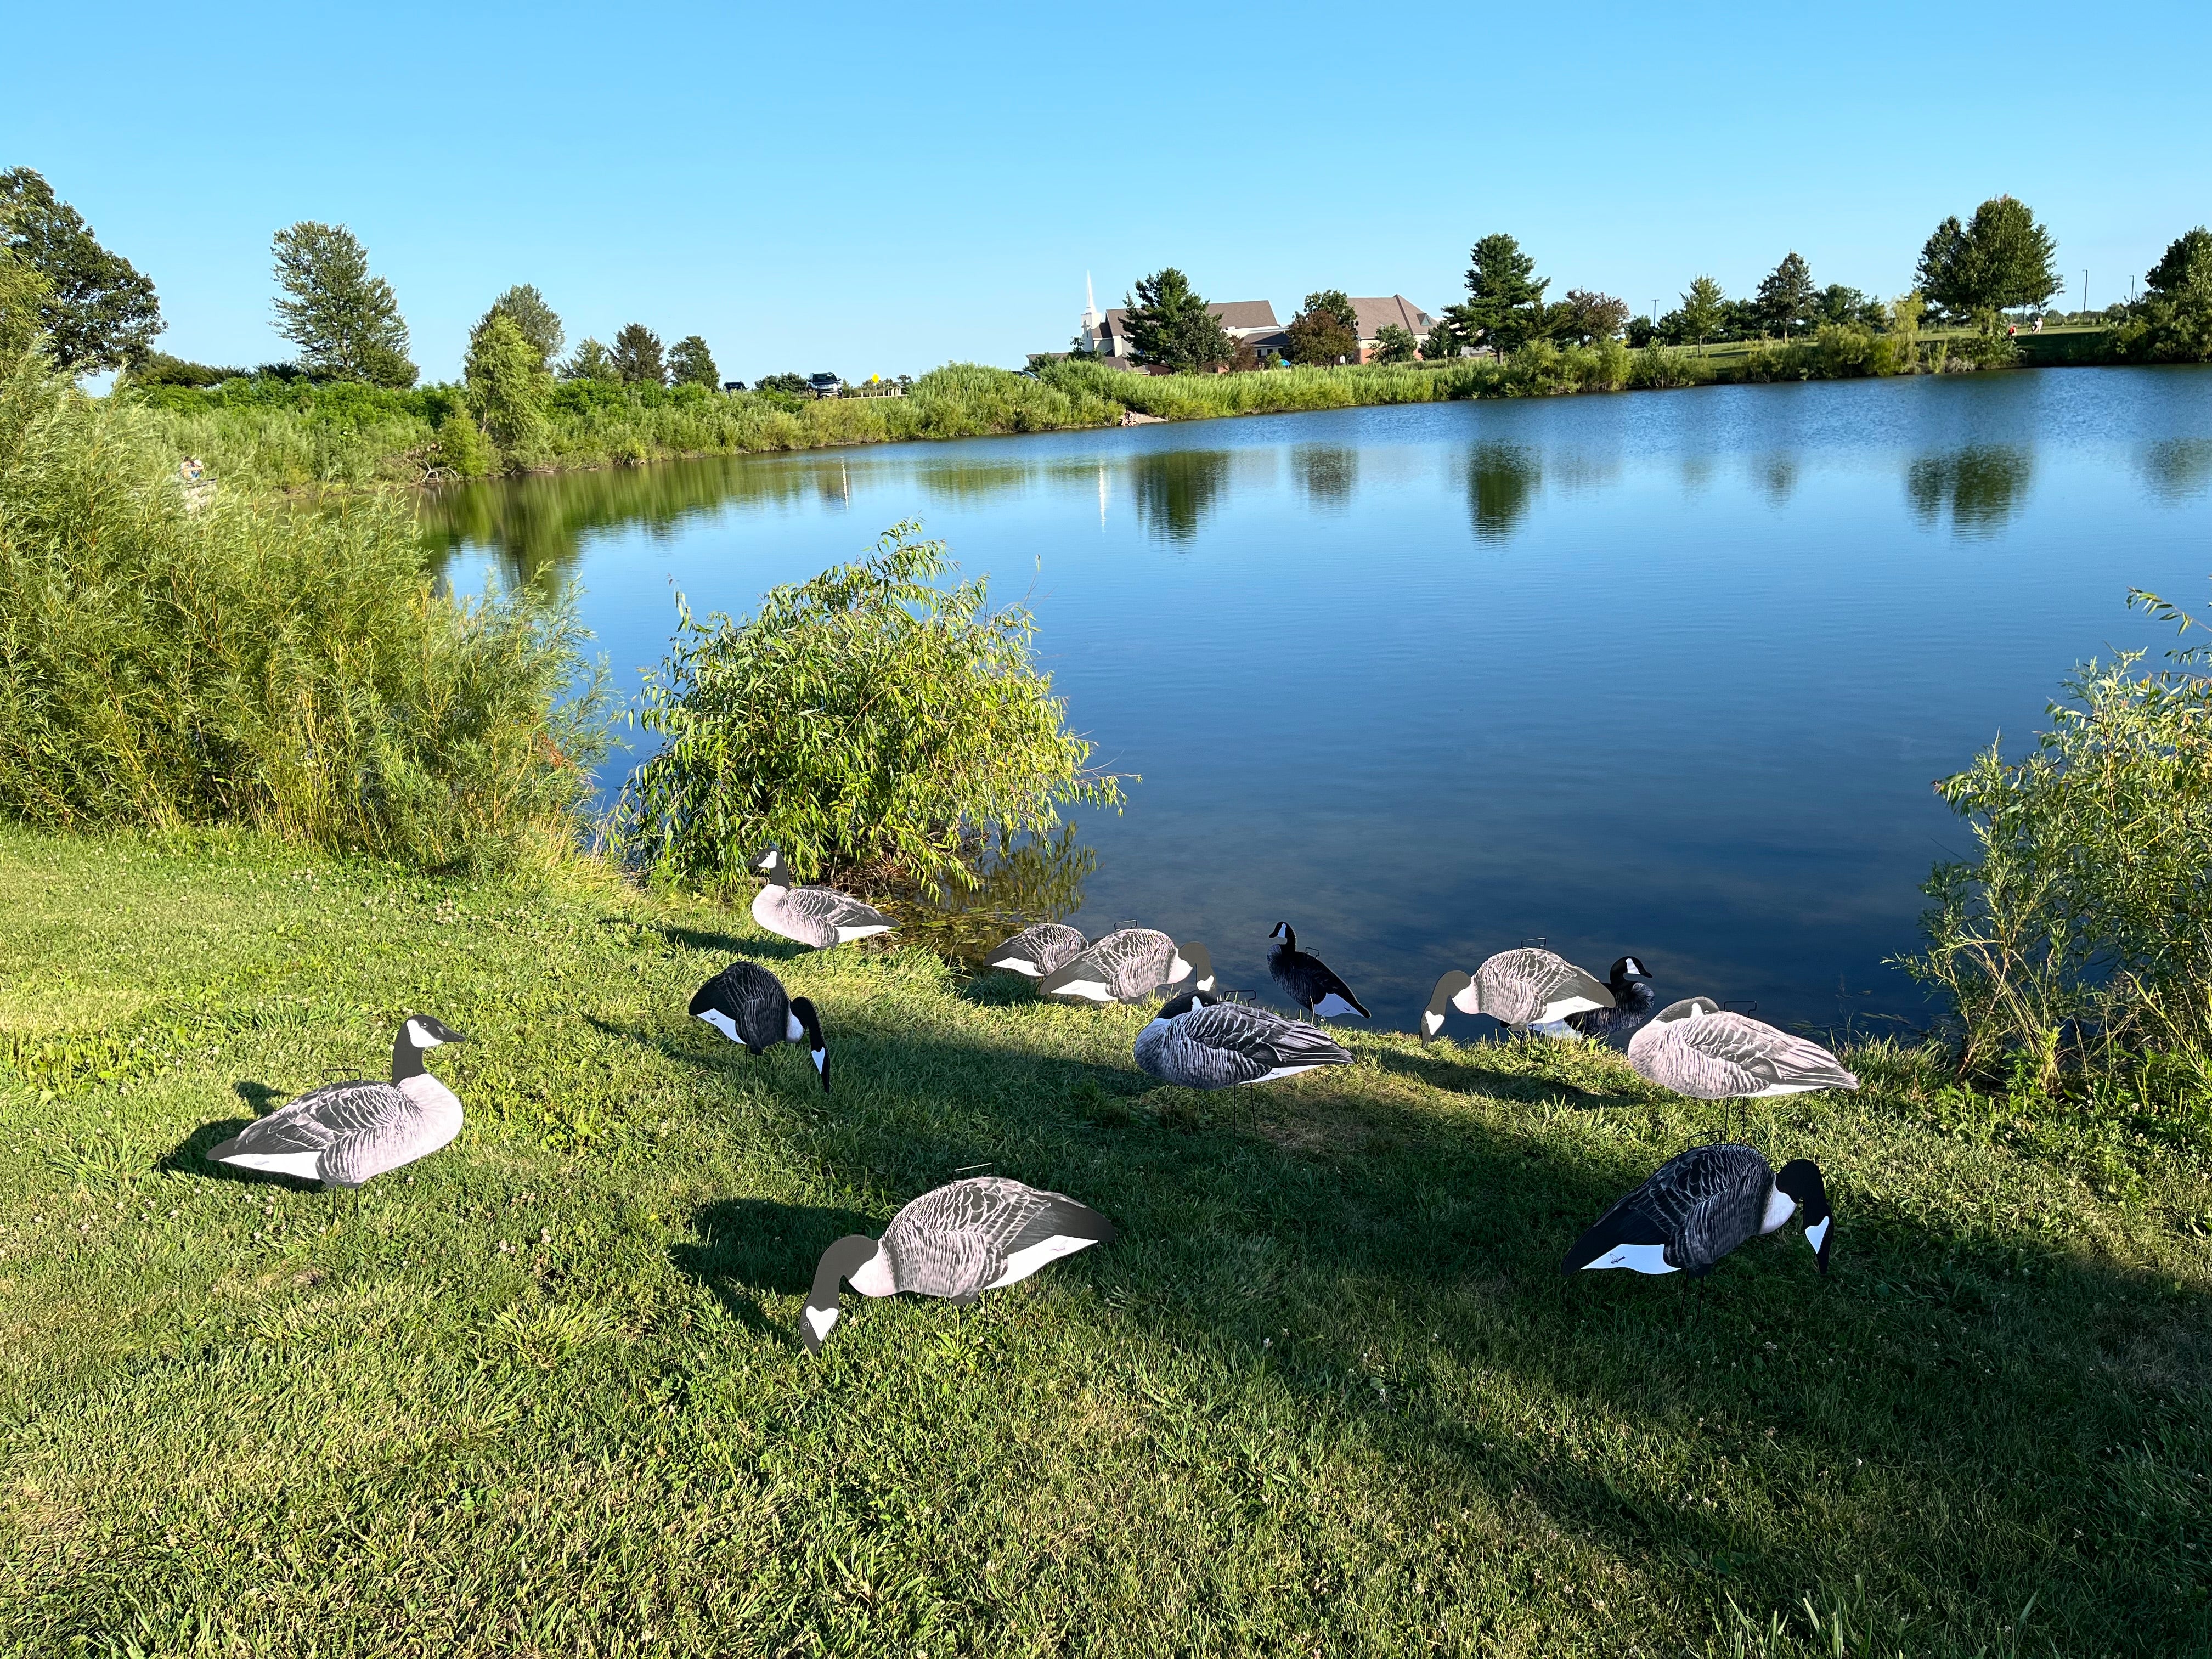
(1248, 322)
(1376, 315)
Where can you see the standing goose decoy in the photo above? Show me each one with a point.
(746, 1004)
(1198, 1043)
(955, 1242)
(819, 916)
(1633, 999)
(1039, 949)
(1518, 989)
(1309, 981)
(1699, 1205)
(345, 1134)
(1128, 965)
(1695, 1047)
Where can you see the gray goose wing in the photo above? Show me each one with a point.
(1038, 950)
(1220, 1045)
(1123, 966)
(1526, 986)
(1726, 1056)
(826, 913)
(1699, 1205)
(961, 1239)
(296, 1137)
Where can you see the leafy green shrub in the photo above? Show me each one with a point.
(2167, 328)
(876, 728)
(2080, 934)
(1657, 367)
(463, 449)
(509, 387)
(168, 661)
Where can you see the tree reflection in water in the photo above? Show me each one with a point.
(1176, 489)
(1502, 481)
(1035, 878)
(2177, 468)
(1326, 473)
(1978, 488)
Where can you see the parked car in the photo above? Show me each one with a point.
(733, 385)
(826, 386)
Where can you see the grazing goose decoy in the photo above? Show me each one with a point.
(957, 1242)
(1038, 949)
(1202, 1043)
(345, 1134)
(1695, 1047)
(746, 1004)
(1518, 989)
(819, 916)
(1699, 1205)
(1308, 980)
(1128, 965)
(1633, 999)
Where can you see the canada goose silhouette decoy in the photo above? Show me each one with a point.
(747, 1004)
(345, 1134)
(1197, 1042)
(1307, 980)
(819, 916)
(1697, 1207)
(955, 1241)
(1696, 1048)
(1633, 999)
(1128, 965)
(1038, 949)
(1518, 989)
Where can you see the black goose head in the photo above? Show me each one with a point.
(770, 866)
(1285, 938)
(418, 1032)
(1440, 1001)
(1627, 971)
(839, 1263)
(809, 1026)
(1175, 1007)
(1688, 1008)
(1800, 1178)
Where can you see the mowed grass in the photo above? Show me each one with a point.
(1327, 1394)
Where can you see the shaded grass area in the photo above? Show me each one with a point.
(1327, 1394)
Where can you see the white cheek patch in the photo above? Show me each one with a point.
(1431, 1023)
(722, 1023)
(1207, 984)
(1817, 1234)
(819, 1320)
(821, 1058)
(420, 1038)
(1636, 1258)
(792, 1030)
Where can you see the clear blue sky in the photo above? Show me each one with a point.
(880, 189)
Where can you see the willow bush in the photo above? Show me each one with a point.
(170, 658)
(877, 726)
(2078, 940)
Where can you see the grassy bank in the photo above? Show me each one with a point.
(1327, 1394)
(284, 435)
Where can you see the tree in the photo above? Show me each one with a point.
(346, 321)
(1394, 344)
(1785, 297)
(790, 384)
(1704, 310)
(95, 308)
(689, 363)
(1838, 304)
(637, 356)
(509, 383)
(1444, 339)
(2185, 267)
(1590, 316)
(22, 294)
(540, 323)
(1170, 325)
(1327, 330)
(2003, 258)
(1504, 306)
(590, 361)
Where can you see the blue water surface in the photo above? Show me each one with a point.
(1661, 672)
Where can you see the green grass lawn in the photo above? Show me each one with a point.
(1327, 1394)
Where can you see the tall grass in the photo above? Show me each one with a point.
(168, 661)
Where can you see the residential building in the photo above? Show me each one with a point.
(1376, 315)
(1248, 322)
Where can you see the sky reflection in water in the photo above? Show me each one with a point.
(1667, 672)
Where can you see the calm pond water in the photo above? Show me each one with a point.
(1663, 672)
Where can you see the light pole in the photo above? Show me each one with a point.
(2085, 290)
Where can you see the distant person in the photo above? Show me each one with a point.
(2038, 323)
(2012, 330)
